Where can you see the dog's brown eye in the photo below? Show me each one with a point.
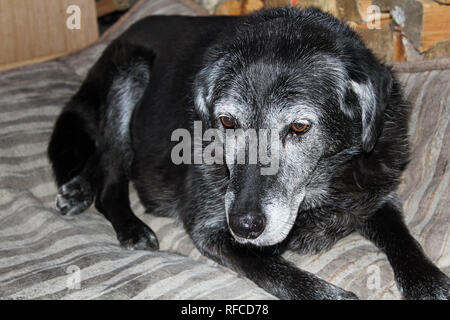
(299, 127)
(227, 122)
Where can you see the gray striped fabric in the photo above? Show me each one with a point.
(42, 254)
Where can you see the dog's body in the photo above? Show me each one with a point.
(268, 70)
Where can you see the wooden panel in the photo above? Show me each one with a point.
(34, 30)
(329, 6)
(105, 7)
(250, 6)
(354, 11)
(424, 22)
(77, 39)
(385, 5)
(380, 41)
(438, 50)
(229, 8)
(239, 7)
(277, 3)
(435, 22)
(398, 46)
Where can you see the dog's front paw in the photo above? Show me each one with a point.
(431, 284)
(74, 197)
(137, 236)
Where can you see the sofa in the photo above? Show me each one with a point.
(44, 255)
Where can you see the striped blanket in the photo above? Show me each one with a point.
(46, 256)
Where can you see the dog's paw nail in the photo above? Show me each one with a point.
(74, 197)
(61, 205)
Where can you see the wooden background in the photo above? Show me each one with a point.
(424, 25)
(35, 30)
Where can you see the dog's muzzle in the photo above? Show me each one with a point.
(248, 226)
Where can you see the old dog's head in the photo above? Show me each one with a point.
(309, 78)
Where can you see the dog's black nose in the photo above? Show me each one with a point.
(248, 226)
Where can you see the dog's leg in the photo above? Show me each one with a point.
(416, 276)
(71, 151)
(113, 202)
(77, 195)
(272, 273)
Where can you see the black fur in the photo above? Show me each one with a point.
(167, 66)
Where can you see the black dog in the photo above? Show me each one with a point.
(340, 144)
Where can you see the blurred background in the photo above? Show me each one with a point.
(32, 31)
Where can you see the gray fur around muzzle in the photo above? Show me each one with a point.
(261, 209)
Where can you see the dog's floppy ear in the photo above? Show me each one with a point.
(201, 103)
(205, 87)
(372, 94)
